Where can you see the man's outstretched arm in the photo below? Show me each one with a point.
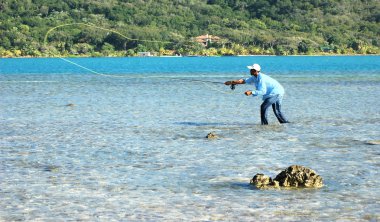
(235, 82)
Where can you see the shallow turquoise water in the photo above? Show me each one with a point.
(132, 147)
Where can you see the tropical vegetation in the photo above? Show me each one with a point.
(38, 28)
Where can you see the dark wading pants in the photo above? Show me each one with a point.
(275, 101)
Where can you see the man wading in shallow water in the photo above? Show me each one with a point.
(267, 87)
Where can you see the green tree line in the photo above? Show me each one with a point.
(168, 27)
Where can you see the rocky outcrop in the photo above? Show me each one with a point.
(262, 181)
(294, 176)
(211, 136)
(299, 176)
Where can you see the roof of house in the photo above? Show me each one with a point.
(207, 37)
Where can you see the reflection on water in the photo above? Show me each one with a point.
(136, 150)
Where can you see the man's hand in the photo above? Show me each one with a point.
(248, 92)
(235, 82)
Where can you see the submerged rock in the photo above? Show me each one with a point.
(294, 176)
(211, 136)
(373, 142)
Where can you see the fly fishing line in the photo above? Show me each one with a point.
(89, 25)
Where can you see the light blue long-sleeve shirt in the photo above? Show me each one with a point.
(265, 86)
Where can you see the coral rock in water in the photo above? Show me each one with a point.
(211, 136)
(293, 176)
(299, 176)
(260, 180)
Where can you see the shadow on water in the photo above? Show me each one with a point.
(215, 124)
(236, 185)
(200, 124)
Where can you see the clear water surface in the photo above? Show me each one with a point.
(123, 139)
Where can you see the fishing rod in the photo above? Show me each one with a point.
(203, 81)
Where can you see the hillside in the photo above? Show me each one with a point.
(118, 27)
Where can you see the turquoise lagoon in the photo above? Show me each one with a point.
(123, 139)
